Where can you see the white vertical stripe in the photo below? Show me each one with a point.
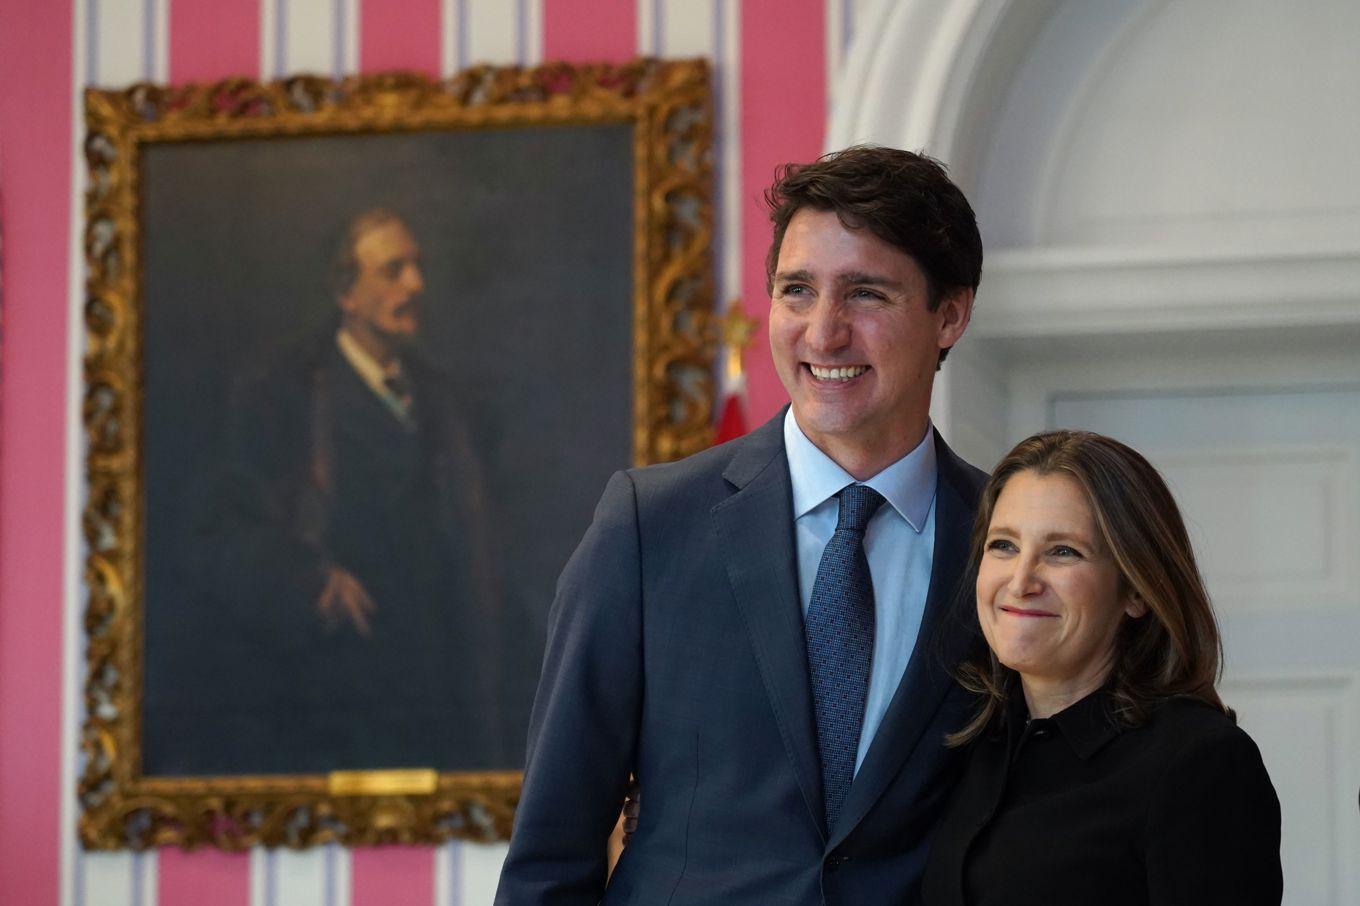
(491, 36)
(295, 878)
(259, 877)
(340, 868)
(120, 46)
(447, 870)
(728, 56)
(835, 37)
(160, 53)
(480, 870)
(109, 879)
(686, 28)
(533, 32)
(646, 28)
(349, 60)
(147, 865)
(451, 25)
(309, 36)
(70, 865)
(269, 14)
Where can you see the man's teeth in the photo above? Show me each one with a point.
(837, 374)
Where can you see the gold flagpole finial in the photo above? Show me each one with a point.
(737, 329)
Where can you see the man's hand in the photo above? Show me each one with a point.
(626, 825)
(632, 805)
(344, 600)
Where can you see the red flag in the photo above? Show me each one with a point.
(732, 414)
(736, 333)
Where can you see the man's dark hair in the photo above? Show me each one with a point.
(344, 267)
(905, 199)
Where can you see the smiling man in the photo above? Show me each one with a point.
(754, 633)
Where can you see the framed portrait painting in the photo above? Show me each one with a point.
(361, 355)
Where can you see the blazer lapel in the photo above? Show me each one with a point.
(926, 681)
(756, 528)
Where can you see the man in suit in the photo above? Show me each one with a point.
(355, 567)
(756, 633)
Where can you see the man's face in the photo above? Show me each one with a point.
(383, 303)
(854, 340)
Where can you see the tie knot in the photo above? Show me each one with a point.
(397, 385)
(858, 505)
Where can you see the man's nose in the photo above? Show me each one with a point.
(415, 281)
(827, 328)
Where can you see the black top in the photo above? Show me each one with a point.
(1075, 809)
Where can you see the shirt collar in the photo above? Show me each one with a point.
(1087, 724)
(908, 484)
(367, 367)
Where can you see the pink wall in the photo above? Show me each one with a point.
(35, 191)
(782, 100)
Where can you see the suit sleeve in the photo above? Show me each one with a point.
(1214, 828)
(584, 724)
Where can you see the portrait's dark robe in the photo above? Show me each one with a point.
(323, 474)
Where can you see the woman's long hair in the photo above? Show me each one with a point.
(1172, 650)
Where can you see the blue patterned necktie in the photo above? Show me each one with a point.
(840, 643)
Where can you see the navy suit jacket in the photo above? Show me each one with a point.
(676, 653)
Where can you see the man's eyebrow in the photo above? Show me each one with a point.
(866, 279)
(859, 278)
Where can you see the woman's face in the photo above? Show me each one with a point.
(1048, 589)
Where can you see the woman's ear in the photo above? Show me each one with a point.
(1134, 605)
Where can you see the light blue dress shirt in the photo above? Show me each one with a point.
(899, 544)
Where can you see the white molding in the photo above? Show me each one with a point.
(1234, 587)
(1098, 68)
(1340, 691)
(912, 67)
(1059, 291)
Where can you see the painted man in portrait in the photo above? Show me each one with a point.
(356, 577)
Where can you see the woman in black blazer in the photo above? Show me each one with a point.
(1103, 767)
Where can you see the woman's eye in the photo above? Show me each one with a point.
(1001, 544)
(1062, 550)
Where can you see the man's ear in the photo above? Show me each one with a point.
(955, 311)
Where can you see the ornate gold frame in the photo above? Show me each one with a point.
(668, 104)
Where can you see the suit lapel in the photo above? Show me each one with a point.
(926, 681)
(756, 528)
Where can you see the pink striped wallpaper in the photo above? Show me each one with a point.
(772, 76)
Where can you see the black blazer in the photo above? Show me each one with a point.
(1075, 810)
(676, 652)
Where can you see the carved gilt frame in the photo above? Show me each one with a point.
(668, 106)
